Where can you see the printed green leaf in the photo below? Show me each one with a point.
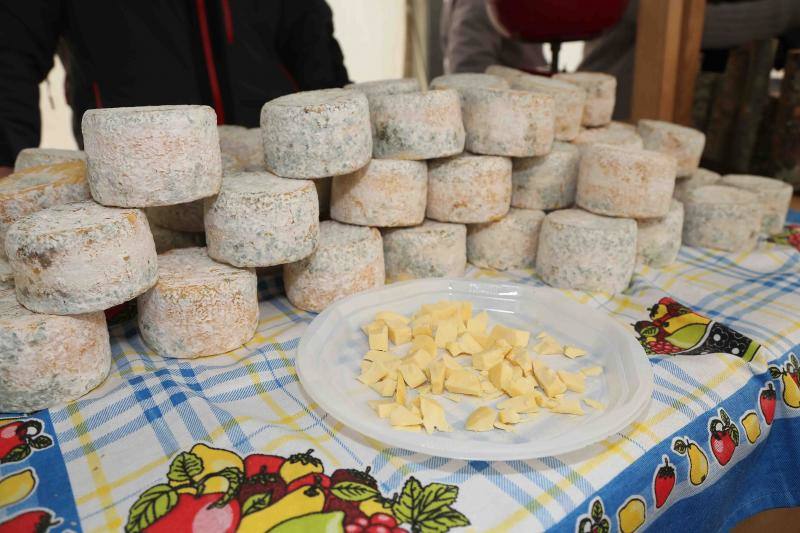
(154, 503)
(604, 526)
(435, 497)
(405, 508)
(775, 372)
(350, 491)
(17, 453)
(442, 521)
(42, 441)
(234, 477)
(735, 435)
(255, 503)
(597, 510)
(793, 359)
(726, 420)
(184, 467)
(679, 446)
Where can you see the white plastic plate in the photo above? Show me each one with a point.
(333, 345)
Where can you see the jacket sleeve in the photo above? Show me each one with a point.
(470, 41)
(307, 46)
(732, 24)
(29, 32)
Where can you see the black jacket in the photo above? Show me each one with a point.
(233, 55)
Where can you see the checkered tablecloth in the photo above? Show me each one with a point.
(119, 455)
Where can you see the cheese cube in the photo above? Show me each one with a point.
(378, 337)
(436, 371)
(403, 416)
(515, 337)
(484, 340)
(594, 404)
(420, 358)
(375, 324)
(385, 407)
(504, 427)
(421, 329)
(454, 348)
(468, 344)
(413, 429)
(573, 351)
(487, 359)
(504, 346)
(567, 406)
(592, 371)
(450, 365)
(520, 358)
(465, 310)
(379, 357)
(399, 333)
(426, 343)
(463, 382)
(500, 374)
(433, 416)
(391, 316)
(574, 381)
(550, 382)
(487, 388)
(400, 391)
(412, 375)
(509, 416)
(520, 386)
(385, 387)
(516, 372)
(477, 325)
(373, 374)
(364, 365)
(481, 419)
(446, 331)
(547, 345)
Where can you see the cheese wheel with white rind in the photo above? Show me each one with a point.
(178, 217)
(582, 251)
(463, 80)
(259, 219)
(34, 157)
(167, 239)
(506, 122)
(614, 133)
(385, 193)
(316, 134)
(421, 125)
(6, 275)
(722, 218)
(774, 195)
(36, 188)
(152, 155)
(348, 260)
(510, 242)
(619, 182)
(390, 86)
(49, 360)
(600, 95)
(546, 182)
(684, 144)
(198, 307)
(243, 144)
(659, 239)
(568, 101)
(81, 257)
(430, 250)
(699, 178)
(468, 189)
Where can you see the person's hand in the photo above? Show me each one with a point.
(5, 171)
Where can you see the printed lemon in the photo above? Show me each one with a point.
(751, 427)
(300, 502)
(319, 522)
(631, 516)
(16, 487)
(375, 505)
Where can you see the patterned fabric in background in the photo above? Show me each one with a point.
(232, 443)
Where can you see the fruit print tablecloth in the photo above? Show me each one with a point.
(233, 443)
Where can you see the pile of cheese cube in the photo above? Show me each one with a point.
(453, 354)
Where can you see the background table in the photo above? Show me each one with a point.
(118, 442)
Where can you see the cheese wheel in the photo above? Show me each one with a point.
(583, 251)
(178, 217)
(620, 182)
(348, 260)
(505, 122)
(81, 257)
(615, 133)
(658, 240)
(6, 275)
(231, 165)
(33, 157)
(36, 188)
(152, 155)
(315, 134)
(684, 144)
(198, 307)
(421, 125)
(392, 86)
(510, 242)
(468, 188)
(774, 195)
(568, 101)
(323, 186)
(720, 217)
(259, 219)
(243, 144)
(167, 239)
(463, 80)
(385, 193)
(48, 360)
(430, 250)
(600, 95)
(698, 178)
(546, 182)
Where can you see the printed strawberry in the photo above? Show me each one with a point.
(259, 463)
(270, 484)
(197, 514)
(320, 480)
(18, 438)
(766, 401)
(352, 514)
(29, 522)
(664, 482)
(357, 476)
(724, 437)
(299, 465)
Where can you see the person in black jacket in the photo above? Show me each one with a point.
(233, 55)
